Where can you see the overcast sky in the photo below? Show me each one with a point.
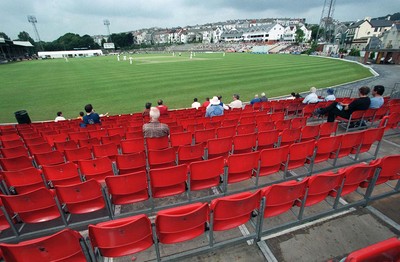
(57, 17)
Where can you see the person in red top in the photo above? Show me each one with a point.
(163, 108)
(206, 103)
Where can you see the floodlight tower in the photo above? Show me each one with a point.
(326, 26)
(107, 24)
(32, 19)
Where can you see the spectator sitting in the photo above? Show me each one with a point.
(146, 110)
(236, 103)
(91, 117)
(263, 97)
(215, 108)
(81, 114)
(256, 99)
(222, 104)
(163, 108)
(154, 128)
(206, 103)
(292, 96)
(312, 97)
(330, 96)
(377, 99)
(345, 111)
(195, 103)
(59, 117)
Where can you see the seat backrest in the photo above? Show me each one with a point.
(49, 158)
(162, 158)
(168, 181)
(200, 179)
(183, 223)
(320, 185)
(14, 151)
(128, 188)
(190, 153)
(61, 246)
(82, 197)
(78, 135)
(290, 136)
(15, 163)
(279, 198)
(271, 159)
(61, 146)
(355, 175)
(228, 131)
(62, 174)
(387, 250)
(110, 150)
(180, 139)
(156, 143)
(129, 163)
(219, 146)
(202, 136)
(232, 211)
(267, 139)
(97, 168)
(24, 180)
(246, 129)
(32, 207)
(309, 132)
(122, 237)
(327, 128)
(265, 126)
(133, 145)
(389, 168)
(75, 155)
(244, 143)
(242, 166)
(40, 148)
(301, 150)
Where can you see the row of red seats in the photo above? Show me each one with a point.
(122, 237)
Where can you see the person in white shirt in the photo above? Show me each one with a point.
(195, 103)
(236, 103)
(330, 96)
(312, 97)
(59, 117)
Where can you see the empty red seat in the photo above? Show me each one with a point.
(61, 246)
(206, 174)
(389, 170)
(129, 163)
(235, 210)
(244, 143)
(190, 153)
(16, 163)
(61, 146)
(39, 148)
(168, 181)
(289, 136)
(242, 166)
(327, 147)
(128, 188)
(267, 139)
(121, 237)
(349, 142)
(201, 136)
(183, 223)
(180, 139)
(156, 143)
(97, 169)
(246, 129)
(14, 152)
(133, 145)
(299, 153)
(309, 133)
(369, 137)
(23, 180)
(327, 129)
(109, 150)
(219, 147)
(49, 158)
(228, 131)
(387, 250)
(162, 158)
(271, 160)
(75, 155)
(62, 174)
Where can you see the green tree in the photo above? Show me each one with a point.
(3, 35)
(314, 31)
(24, 36)
(299, 36)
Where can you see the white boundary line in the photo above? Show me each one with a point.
(384, 217)
(269, 256)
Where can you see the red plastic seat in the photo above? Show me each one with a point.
(183, 223)
(63, 174)
(168, 181)
(61, 146)
(75, 155)
(282, 124)
(298, 122)
(370, 136)
(265, 126)
(51, 139)
(134, 134)
(242, 166)
(133, 145)
(309, 133)
(34, 141)
(228, 131)
(190, 153)
(279, 198)
(246, 129)
(115, 139)
(235, 210)
(81, 198)
(349, 142)
(3, 221)
(387, 250)
(129, 163)
(327, 147)
(244, 143)
(328, 128)
(202, 136)
(271, 160)
(320, 186)
(354, 176)
(23, 180)
(175, 129)
(14, 152)
(97, 169)
(122, 237)
(61, 246)
(162, 158)
(128, 188)
(49, 158)
(97, 133)
(107, 150)
(157, 143)
(12, 143)
(116, 131)
(199, 179)
(9, 137)
(89, 142)
(32, 207)
(289, 136)
(219, 147)
(389, 170)
(76, 136)
(15, 163)
(267, 139)
(389, 122)
(299, 153)
(244, 120)
(39, 148)
(180, 139)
